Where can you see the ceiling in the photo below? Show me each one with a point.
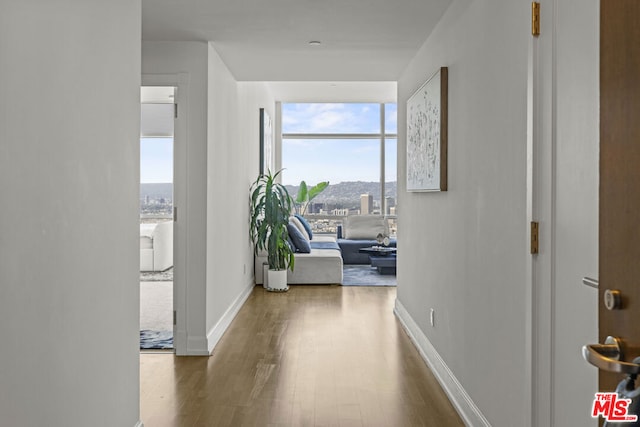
(268, 40)
(334, 91)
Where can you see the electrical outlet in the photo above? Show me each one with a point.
(432, 317)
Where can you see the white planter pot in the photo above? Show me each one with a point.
(277, 281)
(265, 275)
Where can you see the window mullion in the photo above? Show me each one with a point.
(335, 135)
(383, 203)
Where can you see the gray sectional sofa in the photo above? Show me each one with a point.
(321, 266)
(324, 261)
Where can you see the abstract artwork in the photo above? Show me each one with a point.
(266, 142)
(427, 135)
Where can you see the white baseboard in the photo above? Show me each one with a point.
(139, 424)
(180, 343)
(197, 346)
(214, 335)
(467, 410)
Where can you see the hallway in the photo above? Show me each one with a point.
(315, 356)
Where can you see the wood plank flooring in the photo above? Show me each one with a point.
(315, 356)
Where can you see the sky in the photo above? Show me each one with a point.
(334, 160)
(311, 160)
(156, 160)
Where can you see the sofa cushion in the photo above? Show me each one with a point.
(147, 230)
(320, 266)
(364, 227)
(302, 245)
(292, 245)
(306, 225)
(146, 242)
(324, 245)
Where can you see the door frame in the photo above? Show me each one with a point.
(180, 82)
(548, 281)
(541, 183)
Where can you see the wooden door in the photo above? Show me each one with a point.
(619, 228)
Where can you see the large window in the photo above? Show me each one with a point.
(351, 145)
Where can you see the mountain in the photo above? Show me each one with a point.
(157, 191)
(347, 194)
(343, 194)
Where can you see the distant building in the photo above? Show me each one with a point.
(366, 204)
(389, 203)
(314, 208)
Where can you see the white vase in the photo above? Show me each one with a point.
(277, 281)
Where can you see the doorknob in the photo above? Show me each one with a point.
(612, 299)
(607, 357)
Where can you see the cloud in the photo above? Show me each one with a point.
(330, 118)
(317, 160)
(366, 149)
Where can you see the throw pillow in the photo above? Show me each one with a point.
(366, 227)
(305, 224)
(292, 246)
(302, 245)
(295, 221)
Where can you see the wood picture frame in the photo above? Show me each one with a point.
(266, 142)
(427, 124)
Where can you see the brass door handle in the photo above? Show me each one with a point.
(607, 357)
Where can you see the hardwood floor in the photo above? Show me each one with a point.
(315, 356)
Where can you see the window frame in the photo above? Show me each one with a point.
(382, 136)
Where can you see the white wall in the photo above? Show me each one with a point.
(221, 162)
(232, 158)
(69, 170)
(576, 209)
(190, 59)
(467, 247)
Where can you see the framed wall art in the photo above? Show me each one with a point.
(266, 142)
(427, 135)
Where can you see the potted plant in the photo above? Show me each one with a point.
(306, 195)
(271, 206)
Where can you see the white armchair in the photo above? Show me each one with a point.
(156, 246)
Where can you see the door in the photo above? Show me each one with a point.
(619, 229)
(156, 217)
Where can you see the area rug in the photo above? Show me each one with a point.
(156, 340)
(365, 275)
(157, 276)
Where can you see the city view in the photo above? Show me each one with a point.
(338, 201)
(325, 213)
(156, 202)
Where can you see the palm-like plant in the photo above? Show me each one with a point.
(271, 206)
(306, 194)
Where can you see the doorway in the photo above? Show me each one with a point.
(157, 217)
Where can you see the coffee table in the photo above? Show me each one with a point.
(378, 250)
(382, 258)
